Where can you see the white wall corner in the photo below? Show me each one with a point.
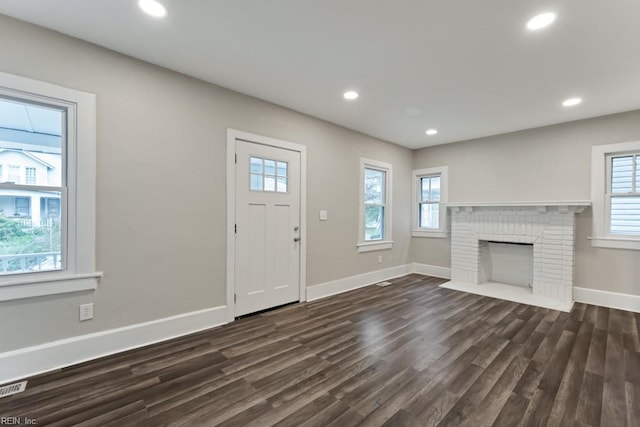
(29, 361)
(339, 286)
(608, 299)
(432, 270)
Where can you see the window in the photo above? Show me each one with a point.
(375, 206)
(23, 209)
(624, 194)
(429, 202)
(50, 208)
(430, 194)
(14, 174)
(47, 246)
(268, 175)
(615, 187)
(30, 175)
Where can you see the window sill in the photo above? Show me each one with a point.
(615, 243)
(52, 285)
(375, 246)
(434, 234)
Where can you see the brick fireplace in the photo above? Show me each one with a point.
(548, 226)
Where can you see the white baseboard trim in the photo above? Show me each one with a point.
(29, 361)
(339, 286)
(432, 270)
(608, 299)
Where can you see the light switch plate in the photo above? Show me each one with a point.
(324, 215)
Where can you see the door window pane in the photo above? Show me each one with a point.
(269, 167)
(256, 182)
(256, 165)
(282, 185)
(268, 175)
(282, 169)
(269, 183)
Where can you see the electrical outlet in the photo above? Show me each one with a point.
(379, 259)
(86, 312)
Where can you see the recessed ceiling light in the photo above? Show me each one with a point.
(431, 132)
(540, 21)
(350, 95)
(571, 102)
(153, 8)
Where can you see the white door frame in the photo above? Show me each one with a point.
(232, 136)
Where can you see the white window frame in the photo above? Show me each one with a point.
(387, 242)
(442, 231)
(601, 237)
(79, 215)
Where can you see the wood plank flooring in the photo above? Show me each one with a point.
(410, 354)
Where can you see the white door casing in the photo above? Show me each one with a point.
(266, 229)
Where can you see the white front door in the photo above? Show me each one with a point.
(267, 228)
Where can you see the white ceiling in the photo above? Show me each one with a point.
(466, 67)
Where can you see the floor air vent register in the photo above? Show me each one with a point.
(383, 284)
(10, 389)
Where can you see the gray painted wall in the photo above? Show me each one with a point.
(549, 163)
(161, 187)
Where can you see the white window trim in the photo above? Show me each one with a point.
(442, 231)
(387, 243)
(601, 238)
(79, 273)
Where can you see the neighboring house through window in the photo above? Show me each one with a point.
(429, 216)
(375, 206)
(47, 196)
(615, 187)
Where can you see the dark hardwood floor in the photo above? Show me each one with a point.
(410, 354)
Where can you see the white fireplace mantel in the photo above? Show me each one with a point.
(572, 206)
(548, 226)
